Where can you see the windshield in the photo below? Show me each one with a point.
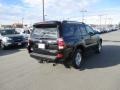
(8, 32)
(45, 32)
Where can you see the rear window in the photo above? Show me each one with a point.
(45, 32)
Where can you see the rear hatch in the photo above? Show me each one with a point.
(45, 40)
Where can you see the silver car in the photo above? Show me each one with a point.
(10, 37)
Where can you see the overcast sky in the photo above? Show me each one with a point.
(12, 11)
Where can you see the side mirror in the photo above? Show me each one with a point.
(91, 33)
(96, 32)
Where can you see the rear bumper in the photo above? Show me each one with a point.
(41, 56)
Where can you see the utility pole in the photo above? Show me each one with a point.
(43, 10)
(83, 14)
(110, 21)
(106, 22)
(100, 21)
(22, 21)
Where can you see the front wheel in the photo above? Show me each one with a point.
(77, 58)
(98, 48)
(3, 46)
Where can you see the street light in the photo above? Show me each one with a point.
(43, 10)
(83, 14)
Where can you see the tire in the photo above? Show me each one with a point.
(77, 59)
(98, 48)
(3, 46)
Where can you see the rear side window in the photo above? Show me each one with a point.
(83, 30)
(68, 30)
(74, 30)
(77, 31)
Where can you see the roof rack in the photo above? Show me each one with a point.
(73, 22)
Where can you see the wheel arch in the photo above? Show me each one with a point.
(81, 47)
(101, 40)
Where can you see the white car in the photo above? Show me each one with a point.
(25, 33)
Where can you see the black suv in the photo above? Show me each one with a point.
(63, 41)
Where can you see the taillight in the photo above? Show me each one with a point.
(61, 43)
(59, 56)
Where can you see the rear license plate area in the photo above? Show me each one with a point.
(19, 44)
(41, 45)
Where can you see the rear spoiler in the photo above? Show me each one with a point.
(47, 24)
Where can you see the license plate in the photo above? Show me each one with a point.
(19, 43)
(42, 46)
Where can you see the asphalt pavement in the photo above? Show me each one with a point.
(98, 72)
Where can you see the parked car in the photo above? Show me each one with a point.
(10, 37)
(97, 30)
(57, 41)
(25, 33)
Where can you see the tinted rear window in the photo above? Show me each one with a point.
(45, 32)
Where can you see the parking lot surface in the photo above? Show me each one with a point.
(99, 72)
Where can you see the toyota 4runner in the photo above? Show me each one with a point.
(56, 41)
